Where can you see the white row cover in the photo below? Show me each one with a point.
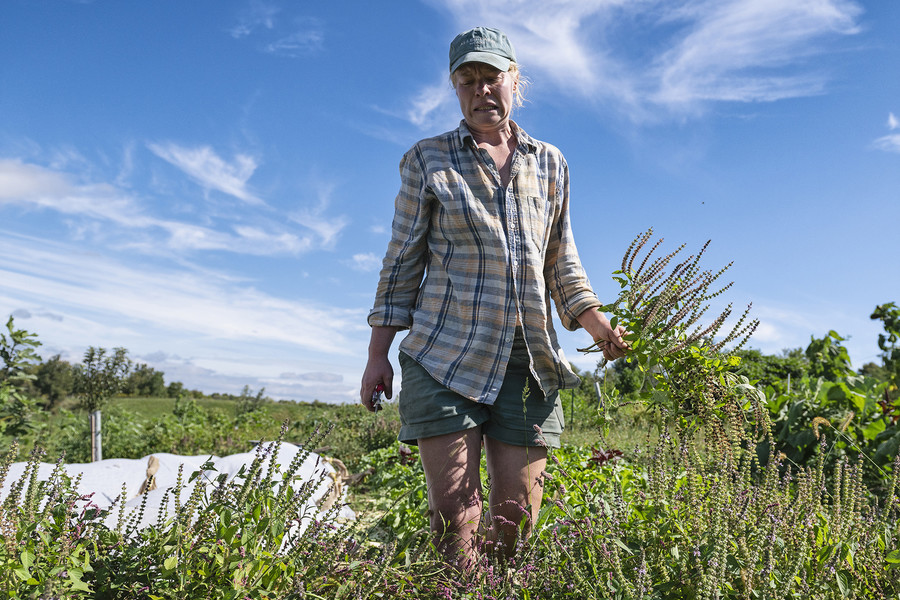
(104, 480)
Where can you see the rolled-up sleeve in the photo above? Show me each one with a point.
(565, 276)
(404, 262)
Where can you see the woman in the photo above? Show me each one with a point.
(481, 241)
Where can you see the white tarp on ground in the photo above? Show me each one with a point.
(104, 479)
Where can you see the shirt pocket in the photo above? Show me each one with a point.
(537, 219)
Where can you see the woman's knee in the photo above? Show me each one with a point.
(455, 513)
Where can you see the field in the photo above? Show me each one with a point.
(672, 517)
(704, 473)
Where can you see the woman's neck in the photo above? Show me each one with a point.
(493, 137)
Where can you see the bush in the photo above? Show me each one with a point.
(144, 381)
(55, 380)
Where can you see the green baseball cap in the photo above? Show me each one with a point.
(484, 45)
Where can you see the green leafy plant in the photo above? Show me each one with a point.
(17, 351)
(889, 343)
(659, 308)
(397, 515)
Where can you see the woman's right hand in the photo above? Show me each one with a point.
(378, 368)
(378, 372)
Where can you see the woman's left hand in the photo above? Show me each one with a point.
(598, 326)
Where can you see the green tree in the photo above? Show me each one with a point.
(17, 351)
(828, 358)
(773, 370)
(248, 403)
(175, 389)
(145, 381)
(624, 375)
(101, 376)
(889, 343)
(55, 380)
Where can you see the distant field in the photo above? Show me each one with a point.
(153, 408)
(630, 426)
(355, 431)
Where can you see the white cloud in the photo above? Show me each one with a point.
(273, 242)
(257, 15)
(301, 36)
(213, 321)
(33, 185)
(367, 261)
(672, 54)
(307, 38)
(743, 50)
(88, 206)
(890, 142)
(20, 181)
(210, 170)
(326, 228)
(433, 105)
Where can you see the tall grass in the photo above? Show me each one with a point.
(686, 516)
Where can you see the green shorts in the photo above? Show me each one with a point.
(428, 409)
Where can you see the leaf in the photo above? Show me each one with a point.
(170, 563)
(622, 545)
(843, 583)
(27, 559)
(76, 582)
(871, 431)
(847, 554)
(893, 557)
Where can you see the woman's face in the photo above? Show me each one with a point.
(485, 95)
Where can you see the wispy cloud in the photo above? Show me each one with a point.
(292, 37)
(366, 261)
(255, 16)
(675, 55)
(307, 37)
(21, 181)
(210, 170)
(327, 228)
(890, 142)
(36, 186)
(216, 323)
(749, 50)
(87, 205)
(432, 105)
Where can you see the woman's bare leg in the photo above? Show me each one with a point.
(452, 465)
(516, 491)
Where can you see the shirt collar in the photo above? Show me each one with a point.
(522, 138)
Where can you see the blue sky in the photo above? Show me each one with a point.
(210, 184)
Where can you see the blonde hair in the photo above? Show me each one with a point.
(522, 83)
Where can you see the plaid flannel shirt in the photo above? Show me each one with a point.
(490, 257)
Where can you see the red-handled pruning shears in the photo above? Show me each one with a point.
(378, 397)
